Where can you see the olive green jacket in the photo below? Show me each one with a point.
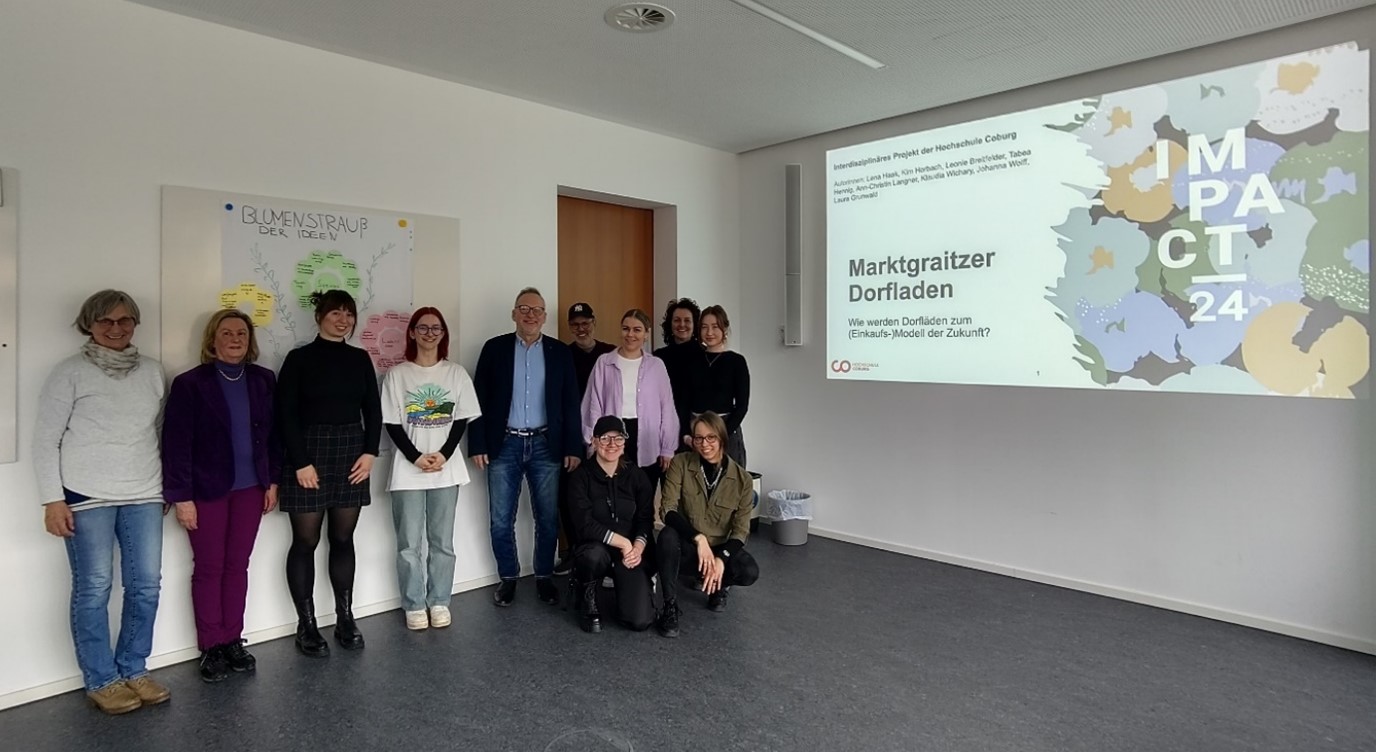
(723, 516)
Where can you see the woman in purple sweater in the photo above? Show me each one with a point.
(633, 385)
(219, 468)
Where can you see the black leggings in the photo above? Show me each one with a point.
(305, 536)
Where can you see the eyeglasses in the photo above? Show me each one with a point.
(584, 324)
(611, 440)
(123, 322)
(424, 329)
(712, 439)
(527, 310)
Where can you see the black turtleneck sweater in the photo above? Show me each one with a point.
(719, 382)
(326, 383)
(676, 359)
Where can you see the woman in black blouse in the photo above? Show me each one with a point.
(718, 382)
(330, 419)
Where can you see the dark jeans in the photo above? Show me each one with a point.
(523, 458)
(634, 596)
(675, 556)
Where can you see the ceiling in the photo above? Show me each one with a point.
(727, 77)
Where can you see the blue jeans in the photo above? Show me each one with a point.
(91, 551)
(425, 515)
(529, 457)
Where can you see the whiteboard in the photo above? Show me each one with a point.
(201, 229)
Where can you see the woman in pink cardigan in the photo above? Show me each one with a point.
(631, 384)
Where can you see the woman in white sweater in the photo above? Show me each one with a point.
(95, 451)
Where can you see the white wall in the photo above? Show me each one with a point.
(1254, 510)
(103, 102)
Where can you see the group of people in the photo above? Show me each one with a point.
(115, 450)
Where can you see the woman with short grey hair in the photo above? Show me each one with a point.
(95, 451)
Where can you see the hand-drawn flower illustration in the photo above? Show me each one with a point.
(324, 270)
(251, 299)
(384, 337)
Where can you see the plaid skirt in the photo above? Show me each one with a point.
(333, 450)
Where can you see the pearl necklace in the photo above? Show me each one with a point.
(227, 377)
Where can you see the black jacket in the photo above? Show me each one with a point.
(600, 505)
(492, 382)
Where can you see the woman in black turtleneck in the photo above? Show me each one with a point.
(612, 513)
(718, 381)
(329, 416)
(680, 327)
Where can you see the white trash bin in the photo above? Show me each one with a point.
(788, 513)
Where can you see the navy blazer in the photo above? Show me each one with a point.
(197, 453)
(492, 382)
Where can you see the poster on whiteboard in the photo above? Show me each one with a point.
(275, 253)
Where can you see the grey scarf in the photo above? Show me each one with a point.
(115, 363)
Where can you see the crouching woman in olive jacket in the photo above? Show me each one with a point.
(706, 501)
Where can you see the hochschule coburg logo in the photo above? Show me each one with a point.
(847, 366)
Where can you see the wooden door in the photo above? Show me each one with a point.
(607, 260)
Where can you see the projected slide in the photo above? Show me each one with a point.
(1210, 234)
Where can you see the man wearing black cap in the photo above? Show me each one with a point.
(586, 350)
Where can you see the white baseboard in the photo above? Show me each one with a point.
(1347, 642)
(172, 657)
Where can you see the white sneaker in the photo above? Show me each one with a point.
(439, 616)
(416, 620)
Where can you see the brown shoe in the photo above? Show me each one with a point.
(116, 698)
(149, 691)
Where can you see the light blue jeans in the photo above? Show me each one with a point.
(528, 458)
(425, 516)
(137, 529)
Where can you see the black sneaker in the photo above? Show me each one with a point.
(214, 667)
(717, 601)
(563, 566)
(547, 592)
(506, 593)
(238, 658)
(667, 624)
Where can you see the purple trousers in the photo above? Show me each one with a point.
(221, 543)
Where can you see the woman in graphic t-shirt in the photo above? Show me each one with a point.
(426, 404)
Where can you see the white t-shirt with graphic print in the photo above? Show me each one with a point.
(426, 400)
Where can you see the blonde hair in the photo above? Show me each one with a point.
(213, 325)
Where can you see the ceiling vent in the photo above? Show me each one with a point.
(638, 17)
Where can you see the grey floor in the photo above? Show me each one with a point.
(838, 647)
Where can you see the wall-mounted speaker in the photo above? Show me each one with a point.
(793, 255)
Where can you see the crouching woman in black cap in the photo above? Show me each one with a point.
(611, 505)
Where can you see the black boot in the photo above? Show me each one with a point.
(308, 639)
(667, 624)
(345, 629)
(588, 618)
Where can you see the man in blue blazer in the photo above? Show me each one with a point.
(529, 427)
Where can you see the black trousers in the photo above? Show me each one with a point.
(676, 556)
(651, 470)
(635, 605)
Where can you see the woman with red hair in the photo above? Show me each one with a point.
(426, 404)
